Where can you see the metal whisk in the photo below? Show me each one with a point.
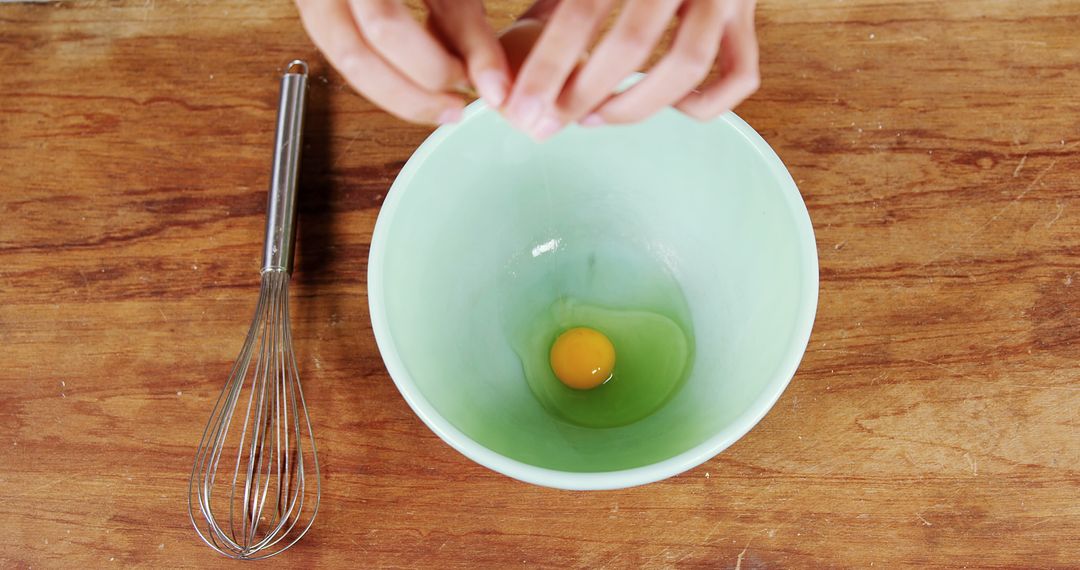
(264, 501)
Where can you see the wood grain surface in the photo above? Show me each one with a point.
(934, 421)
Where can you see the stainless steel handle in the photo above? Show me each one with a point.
(281, 206)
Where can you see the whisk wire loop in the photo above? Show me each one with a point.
(268, 498)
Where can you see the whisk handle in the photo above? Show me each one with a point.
(288, 138)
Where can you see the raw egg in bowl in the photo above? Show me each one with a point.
(608, 308)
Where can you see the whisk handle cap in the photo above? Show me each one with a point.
(288, 139)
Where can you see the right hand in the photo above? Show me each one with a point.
(560, 83)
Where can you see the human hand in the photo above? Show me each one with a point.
(555, 86)
(414, 73)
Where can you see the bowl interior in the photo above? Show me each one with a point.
(483, 222)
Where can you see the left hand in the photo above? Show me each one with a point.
(412, 71)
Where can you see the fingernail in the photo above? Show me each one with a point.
(451, 115)
(592, 120)
(525, 112)
(492, 86)
(546, 127)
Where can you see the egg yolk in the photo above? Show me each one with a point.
(582, 358)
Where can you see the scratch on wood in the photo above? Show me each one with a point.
(347, 147)
(1057, 216)
(1020, 166)
(738, 561)
(908, 39)
(1042, 521)
(986, 224)
(935, 365)
(663, 553)
(923, 519)
(1020, 196)
(712, 532)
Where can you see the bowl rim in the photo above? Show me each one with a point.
(592, 481)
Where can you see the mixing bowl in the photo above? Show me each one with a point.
(482, 221)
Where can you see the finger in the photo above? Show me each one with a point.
(692, 55)
(740, 75)
(468, 32)
(566, 36)
(625, 48)
(390, 30)
(330, 25)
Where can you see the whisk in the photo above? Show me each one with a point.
(265, 501)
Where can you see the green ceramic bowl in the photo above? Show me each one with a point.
(710, 203)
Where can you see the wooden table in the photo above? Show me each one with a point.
(934, 420)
